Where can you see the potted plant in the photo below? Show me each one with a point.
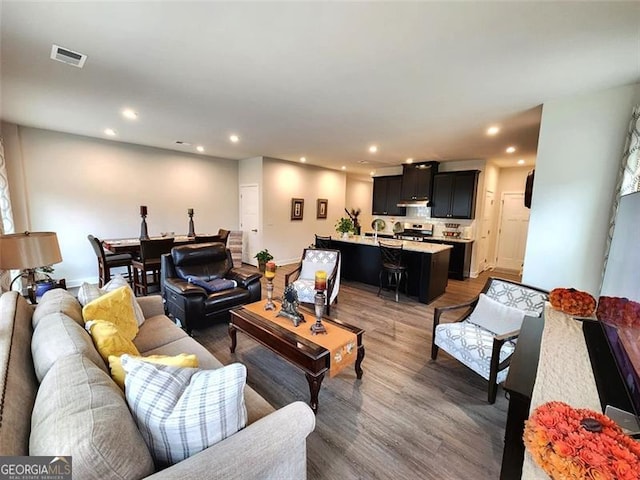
(344, 226)
(263, 257)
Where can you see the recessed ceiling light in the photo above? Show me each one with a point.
(130, 114)
(373, 148)
(303, 159)
(234, 138)
(409, 160)
(200, 148)
(493, 130)
(372, 173)
(521, 162)
(110, 131)
(510, 149)
(343, 167)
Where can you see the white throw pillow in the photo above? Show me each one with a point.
(495, 316)
(182, 411)
(88, 293)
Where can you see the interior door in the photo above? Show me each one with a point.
(249, 222)
(512, 236)
(484, 231)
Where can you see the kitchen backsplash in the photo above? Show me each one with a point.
(423, 215)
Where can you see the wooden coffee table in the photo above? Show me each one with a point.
(312, 359)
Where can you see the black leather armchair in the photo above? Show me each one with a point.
(191, 304)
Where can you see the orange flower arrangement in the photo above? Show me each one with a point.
(573, 443)
(572, 301)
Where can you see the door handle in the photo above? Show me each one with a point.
(255, 230)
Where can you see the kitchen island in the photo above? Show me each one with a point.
(427, 264)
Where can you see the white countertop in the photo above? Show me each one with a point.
(422, 247)
(439, 238)
(452, 239)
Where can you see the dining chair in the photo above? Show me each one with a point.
(107, 261)
(206, 238)
(393, 266)
(484, 335)
(149, 263)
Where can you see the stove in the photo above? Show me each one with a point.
(416, 232)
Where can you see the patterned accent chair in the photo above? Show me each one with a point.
(483, 351)
(303, 277)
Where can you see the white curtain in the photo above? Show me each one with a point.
(629, 175)
(6, 225)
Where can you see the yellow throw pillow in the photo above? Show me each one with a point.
(108, 339)
(115, 307)
(181, 360)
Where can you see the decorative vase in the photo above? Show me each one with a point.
(345, 234)
(262, 265)
(43, 286)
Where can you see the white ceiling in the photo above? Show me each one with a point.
(322, 80)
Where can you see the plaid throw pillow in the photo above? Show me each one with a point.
(182, 411)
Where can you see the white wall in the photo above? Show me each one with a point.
(359, 194)
(579, 153)
(76, 185)
(282, 180)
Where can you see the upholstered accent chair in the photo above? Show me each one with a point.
(107, 261)
(303, 277)
(190, 302)
(484, 337)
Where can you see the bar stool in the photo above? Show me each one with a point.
(323, 242)
(393, 266)
(149, 262)
(107, 261)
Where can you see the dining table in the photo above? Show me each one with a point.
(132, 245)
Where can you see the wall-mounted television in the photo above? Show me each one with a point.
(619, 303)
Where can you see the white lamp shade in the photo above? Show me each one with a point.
(22, 251)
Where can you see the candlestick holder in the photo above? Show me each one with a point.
(144, 234)
(192, 230)
(269, 305)
(318, 327)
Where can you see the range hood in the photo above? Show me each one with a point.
(413, 203)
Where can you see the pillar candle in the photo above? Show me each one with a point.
(270, 270)
(321, 280)
(190, 211)
(143, 209)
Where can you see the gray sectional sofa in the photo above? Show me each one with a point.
(57, 398)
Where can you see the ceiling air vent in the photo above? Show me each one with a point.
(67, 56)
(184, 144)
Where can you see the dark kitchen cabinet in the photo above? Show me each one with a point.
(386, 195)
(417, 179)
(454, 194)
(460, 259)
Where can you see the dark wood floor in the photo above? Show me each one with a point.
(409, 417)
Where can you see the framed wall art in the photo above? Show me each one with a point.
(321, 209)
(297, 208)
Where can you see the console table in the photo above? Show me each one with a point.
(519, 384)
(559, 369)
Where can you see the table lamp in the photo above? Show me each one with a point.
(28, 251)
